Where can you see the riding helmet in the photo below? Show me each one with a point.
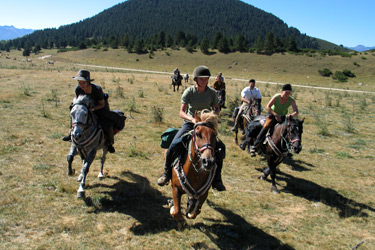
(201, 71)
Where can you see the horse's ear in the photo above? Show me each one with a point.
(197, 117)
(303, 119)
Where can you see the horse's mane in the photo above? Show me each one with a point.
(209, 117)
(84, 99)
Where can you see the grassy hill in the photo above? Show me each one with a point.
(326, 199)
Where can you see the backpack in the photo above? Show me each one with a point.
(167, 137)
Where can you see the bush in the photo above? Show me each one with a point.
(348, 73)
(325, 72)
(340, 76)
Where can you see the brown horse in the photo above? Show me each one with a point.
(286, 138)
(196, 171)
(248, 115)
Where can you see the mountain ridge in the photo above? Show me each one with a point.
(8, 32)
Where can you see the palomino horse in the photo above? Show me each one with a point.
(87, 138)
(195, 172)
(248, 115)
(286, 138)
(176, 80)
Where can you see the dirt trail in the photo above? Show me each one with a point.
(235, 79)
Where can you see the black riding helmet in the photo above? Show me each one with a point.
(201, 71)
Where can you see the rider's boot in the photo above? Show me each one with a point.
(217, 182)
(66, 138)
(166, 176)
(110, 140)
(259, 139)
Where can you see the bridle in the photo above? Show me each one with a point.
(288, 140)
(86, 124)
(199, 150)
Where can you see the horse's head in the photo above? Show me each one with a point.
(295, 129)
(204, 139)
(79, 115)
(255, 107)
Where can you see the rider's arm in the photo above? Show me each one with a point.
(99, 106)
(295, 109)
(183, 114)
(245, 100)
(269, 105)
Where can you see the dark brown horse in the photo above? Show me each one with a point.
(285, 139)
(248, 115)
(176, 81)
(194, 174)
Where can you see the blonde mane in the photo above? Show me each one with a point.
(210, 117)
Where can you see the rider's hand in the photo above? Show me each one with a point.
(278, 118)
(194, 121)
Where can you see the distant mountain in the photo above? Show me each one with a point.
(361, 48)
(11, 32)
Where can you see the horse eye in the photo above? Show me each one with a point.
(199, 135)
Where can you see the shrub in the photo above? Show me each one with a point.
(157, 114)
(348, 73)
(325, 72)
(340, 76)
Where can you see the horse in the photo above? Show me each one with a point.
(285, 139)
(176, 80)
(87, 137)
(186, 78)
(248, 115)
(194, 173)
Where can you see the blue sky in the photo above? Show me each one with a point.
(346, 22)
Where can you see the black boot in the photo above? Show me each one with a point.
(166, 176)
(217, 182)
(66, 138)
(259, 139)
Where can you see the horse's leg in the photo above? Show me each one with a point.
(69, 158)
(201, 200)
(85, 170)
(175, 211)
(272, 171)
(102, 160)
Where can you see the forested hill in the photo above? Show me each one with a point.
(198, 19)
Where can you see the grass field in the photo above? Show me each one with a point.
(327, 191)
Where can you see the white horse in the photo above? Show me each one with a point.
(87, 138)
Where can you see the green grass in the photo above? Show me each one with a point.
(326, 199)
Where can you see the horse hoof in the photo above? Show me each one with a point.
(80, 177)
(100, 176)
(275, 190)
(262, 177)
(71, 172)
(191, 216)
(171, 211)
(81, 194)
(170, 203)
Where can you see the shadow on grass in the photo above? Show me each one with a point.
(236, 233)
(133, 196)
(316, 193)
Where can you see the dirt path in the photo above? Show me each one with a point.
(235, 79)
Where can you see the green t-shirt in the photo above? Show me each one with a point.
(281, 109)
(198, 102)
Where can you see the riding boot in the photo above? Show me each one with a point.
(110, 140)
(217, 182)
(167, 175)
(66, 138)
(259, 139)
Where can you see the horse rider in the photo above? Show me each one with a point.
(248, 94)
(101, 108)
(194, 98)
(277, 109)
(220, 77)
(176, 72)
(186, 77)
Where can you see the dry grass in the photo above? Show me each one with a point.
(327, 191)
